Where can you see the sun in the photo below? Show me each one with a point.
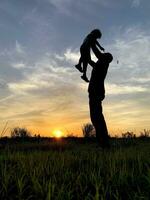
(57, 133)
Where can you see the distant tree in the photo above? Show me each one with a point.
(70, 135)
(20, 132)
(145, 134)
(128, 134)
(88, 130)
(4, 130)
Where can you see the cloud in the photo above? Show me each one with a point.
(19, 48)
(136, 3)
(21, 87)
(61, 6)
(15, 50)
(72, 8)
(113, 89)
(131, 48)
(20, 65)
(52, 85)
(6, 98)
(72, 56)
(50, 80)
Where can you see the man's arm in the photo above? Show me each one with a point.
(92, 63)
(97, 52)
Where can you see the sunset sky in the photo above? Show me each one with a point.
(39, 45)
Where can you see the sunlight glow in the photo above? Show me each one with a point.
(57, 133)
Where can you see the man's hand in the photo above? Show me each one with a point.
(102, 49)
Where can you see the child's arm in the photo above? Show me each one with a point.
(101, 48)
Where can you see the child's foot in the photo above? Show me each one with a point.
(78, 66)
(85, 78)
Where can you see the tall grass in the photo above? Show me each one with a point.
(81, 171)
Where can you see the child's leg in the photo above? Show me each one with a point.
(85, 63)
(78, 66)
(84, 77)
(86, 57)
(81, 56)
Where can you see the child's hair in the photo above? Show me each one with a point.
(96, 33)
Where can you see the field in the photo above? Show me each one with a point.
(68, 169)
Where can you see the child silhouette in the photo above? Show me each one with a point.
(89, 42)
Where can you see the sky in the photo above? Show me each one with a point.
(39, 45)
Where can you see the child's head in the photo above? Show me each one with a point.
(96, 33)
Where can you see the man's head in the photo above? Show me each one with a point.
(104, 58)
(107, 57)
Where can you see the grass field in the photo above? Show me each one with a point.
(75, 169)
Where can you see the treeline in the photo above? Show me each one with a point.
(88, 131)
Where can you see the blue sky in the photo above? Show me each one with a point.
(39, 45)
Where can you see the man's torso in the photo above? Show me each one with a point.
(96, 85)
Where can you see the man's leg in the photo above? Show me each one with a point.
(98, 121)
(102, 132)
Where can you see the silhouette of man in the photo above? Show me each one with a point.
(96, 91)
